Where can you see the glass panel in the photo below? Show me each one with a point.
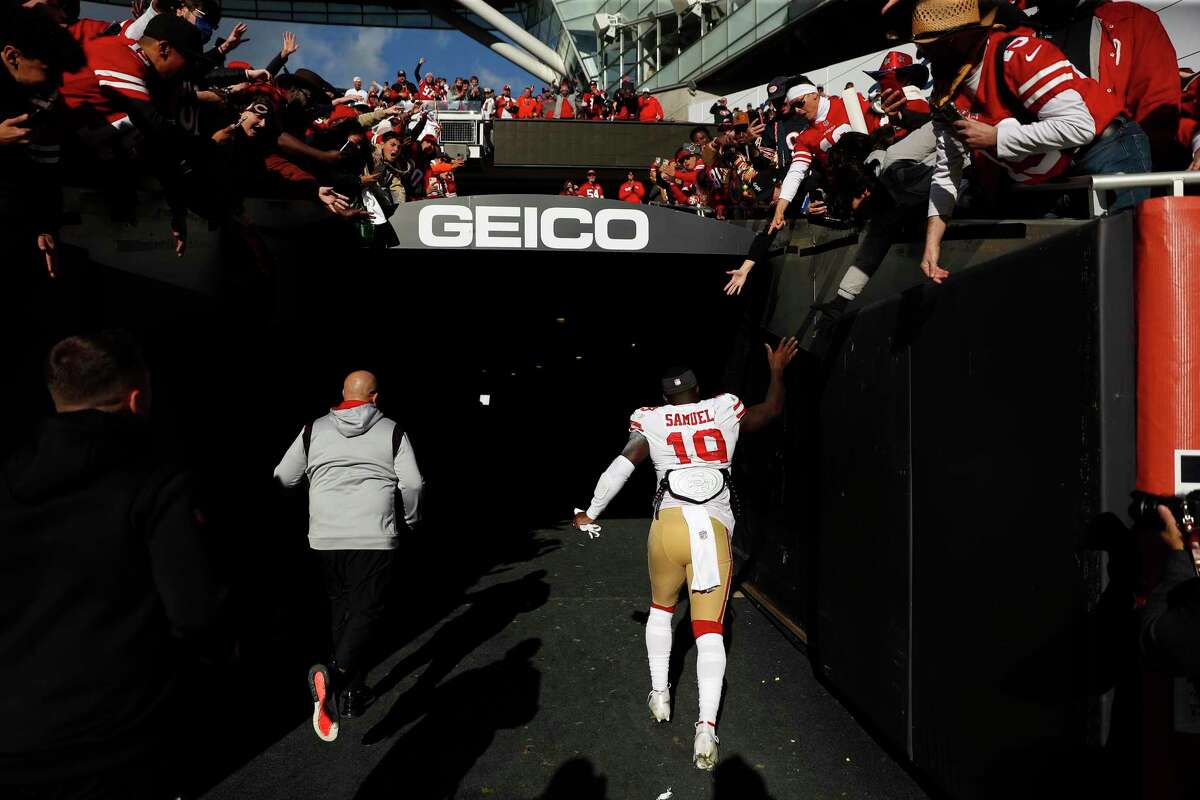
(769, 14)
(688, 62)
(714, 42)
(668, 75)
(742, 21)
(741, 44)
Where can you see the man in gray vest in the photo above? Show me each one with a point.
(362, 475)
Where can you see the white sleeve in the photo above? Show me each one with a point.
(611, 481)
(791, 181)
(138, 29)
(408, 480)
(291, 469)
(947, 171)
(1063, 122)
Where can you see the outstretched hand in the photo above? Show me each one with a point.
(737, 278)
(782, 355)
(930, 266)
(290, 45)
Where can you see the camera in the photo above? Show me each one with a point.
(947, 112)
(1143, 509)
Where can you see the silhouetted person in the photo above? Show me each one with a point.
(1170, 628)
(356, 461)
(105, 582)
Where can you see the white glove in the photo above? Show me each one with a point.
(591, 529)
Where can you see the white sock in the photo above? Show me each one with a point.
(710, 674)
(853, 282)
(658, 647)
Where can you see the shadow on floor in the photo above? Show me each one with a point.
(577, 779)
(460, 720)
(489, 612)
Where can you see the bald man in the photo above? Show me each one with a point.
(362, 476)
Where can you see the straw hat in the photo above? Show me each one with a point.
(933, 19)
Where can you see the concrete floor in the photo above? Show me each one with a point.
(529, 678)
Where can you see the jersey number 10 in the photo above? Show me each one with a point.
(700, 443)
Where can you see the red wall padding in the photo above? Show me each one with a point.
(1168, 355)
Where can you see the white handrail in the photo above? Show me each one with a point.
(1099, 185)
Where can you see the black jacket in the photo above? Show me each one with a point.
(1171, 621)
(106, 589)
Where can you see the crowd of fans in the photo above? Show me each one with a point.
(89, 98)
(102, 102)
(952, 133)
(568, 100)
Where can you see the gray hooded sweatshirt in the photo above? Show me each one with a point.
(353, 478)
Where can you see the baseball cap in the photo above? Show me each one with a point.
(304, 78)
(678, 379)
(778, 86)
(183, 36)
(591, 172)
(897, 63)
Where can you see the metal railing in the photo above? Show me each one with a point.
(1098, 186)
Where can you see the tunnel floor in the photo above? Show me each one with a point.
(527, 679)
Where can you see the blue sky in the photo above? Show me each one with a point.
(339, 53)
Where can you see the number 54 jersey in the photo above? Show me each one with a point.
(702, 434)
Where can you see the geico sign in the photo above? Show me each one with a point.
(528, 227)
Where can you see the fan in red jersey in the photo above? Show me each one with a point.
(828, 118)
(691, 443)
(900, 81)
(590, 187)
(1019, 108)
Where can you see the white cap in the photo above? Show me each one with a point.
(799, 90)
(357, 78)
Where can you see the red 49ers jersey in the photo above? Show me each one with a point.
(116, 71)
(1035, 72)
(815, 140)
(702, 434)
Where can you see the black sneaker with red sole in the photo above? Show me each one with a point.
(325, 711)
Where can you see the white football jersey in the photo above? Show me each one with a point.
(702, 434)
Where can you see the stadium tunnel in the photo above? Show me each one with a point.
(989, 422)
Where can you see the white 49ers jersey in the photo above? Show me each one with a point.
(702, 434)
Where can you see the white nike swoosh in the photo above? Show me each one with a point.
(1033, 55)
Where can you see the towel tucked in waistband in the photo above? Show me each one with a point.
(706, 572)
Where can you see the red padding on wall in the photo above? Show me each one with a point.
(1168, 352)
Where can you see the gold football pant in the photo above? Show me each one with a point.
(669, 553)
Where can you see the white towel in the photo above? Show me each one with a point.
(706, 574)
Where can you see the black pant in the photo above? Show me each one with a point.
(356, 581)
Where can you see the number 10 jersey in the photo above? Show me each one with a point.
(702, 434)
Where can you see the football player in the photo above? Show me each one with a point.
(691, 443)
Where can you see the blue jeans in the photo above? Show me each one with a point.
(1125, 151)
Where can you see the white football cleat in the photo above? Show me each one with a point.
(660, 705)
(704, 752)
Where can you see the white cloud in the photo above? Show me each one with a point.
(489, 78)
(340, 54)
